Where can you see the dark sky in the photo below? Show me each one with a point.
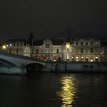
(51, 17)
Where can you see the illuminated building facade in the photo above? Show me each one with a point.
(77, 49)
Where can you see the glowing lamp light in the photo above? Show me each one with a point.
(4, 47)
(96, 57)
(91, 60)
(81, 57)
(77, 58)
(86, 57)
(10, 45)
(67, 45)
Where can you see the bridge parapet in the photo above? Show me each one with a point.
(18, 60)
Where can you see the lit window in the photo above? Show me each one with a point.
(91, 60)
(82, 57)
(77, 57)
(96, 59)
(86, 59)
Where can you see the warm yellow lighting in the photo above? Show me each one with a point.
(4, 47)
(91, 60)
(67, 91)
(76, 57)
(72, 57)
(68, 45)
(81, 57)
(7, 45)
(96, 57)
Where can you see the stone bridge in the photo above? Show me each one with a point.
(22, 62)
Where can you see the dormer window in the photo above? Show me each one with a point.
(47, 45)
(81, 43)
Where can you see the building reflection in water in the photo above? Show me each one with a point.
(67, 91)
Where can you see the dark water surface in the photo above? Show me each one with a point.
(53, 90)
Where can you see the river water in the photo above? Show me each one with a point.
(53, 90)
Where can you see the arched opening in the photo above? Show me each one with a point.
(34, 67)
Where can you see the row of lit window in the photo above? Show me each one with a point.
(18, 45)
(86, 58)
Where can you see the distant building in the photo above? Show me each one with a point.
(63, 49)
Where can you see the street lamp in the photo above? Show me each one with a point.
(4, 47)
(67, 55)
(67, 47)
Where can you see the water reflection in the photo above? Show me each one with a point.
(67, 91)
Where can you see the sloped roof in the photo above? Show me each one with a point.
(15, 40)
(86, 38)
(37, 42)
(55, 41)
(58, 41)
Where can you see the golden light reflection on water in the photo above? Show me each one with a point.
(67, 91)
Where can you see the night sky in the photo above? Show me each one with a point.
(49, 18)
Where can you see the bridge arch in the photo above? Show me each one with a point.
(34, 67)
(23, 63)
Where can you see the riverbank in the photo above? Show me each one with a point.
(56, 67)
(77, 66)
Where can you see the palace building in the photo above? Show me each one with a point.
(88, 49)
